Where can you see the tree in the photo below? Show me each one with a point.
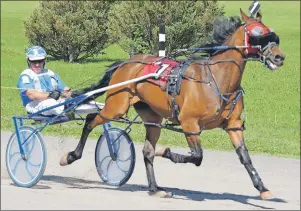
(134, 24)
(69, 30)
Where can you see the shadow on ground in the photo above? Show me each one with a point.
(179, 194)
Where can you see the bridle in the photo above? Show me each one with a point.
(265, 42)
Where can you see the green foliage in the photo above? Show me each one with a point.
(134, 25)
(69, 30)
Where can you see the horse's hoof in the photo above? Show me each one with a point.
(64, 160)
(266, 195)
(160, 152)
(161, 194)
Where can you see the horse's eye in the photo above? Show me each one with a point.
(257, 31)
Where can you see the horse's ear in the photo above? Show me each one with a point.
(244, 17)
(259, 16)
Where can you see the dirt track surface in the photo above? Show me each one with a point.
(221, 182)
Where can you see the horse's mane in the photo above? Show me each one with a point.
(224, 27)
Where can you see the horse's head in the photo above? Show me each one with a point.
(257, 34)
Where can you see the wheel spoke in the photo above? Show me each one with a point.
(117, 144)
(33, 141)
(30, 155)
(121, 168)
(125, 160)
(108, 168)
(28, 170)
(14, 170)
(101, 162)
(15, 153)
(35, 165)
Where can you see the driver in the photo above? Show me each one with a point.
(40, 87)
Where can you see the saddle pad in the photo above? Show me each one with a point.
(154, 67)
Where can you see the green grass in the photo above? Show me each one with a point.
(272, 102)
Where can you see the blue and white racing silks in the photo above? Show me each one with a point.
(46, 81)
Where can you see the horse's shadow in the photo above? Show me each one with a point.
(179, 194)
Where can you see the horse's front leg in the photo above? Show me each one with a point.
(151, 138)
(237, 139)
(72, 156)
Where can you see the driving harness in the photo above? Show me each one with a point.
(173, 89)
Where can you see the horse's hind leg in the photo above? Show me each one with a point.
(151, 138)
(114, 108)
(196, 157)
(237, 139)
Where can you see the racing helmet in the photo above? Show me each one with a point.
(35, 53)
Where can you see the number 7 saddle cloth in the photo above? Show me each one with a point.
(167, 64)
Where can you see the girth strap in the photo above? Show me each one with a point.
(242, 128)
(174, 86)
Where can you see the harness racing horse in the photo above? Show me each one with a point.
(210, 97)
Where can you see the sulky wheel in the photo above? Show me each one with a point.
(115, 168)
(26, 171)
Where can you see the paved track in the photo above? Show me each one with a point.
(220, 183)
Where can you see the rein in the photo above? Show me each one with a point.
(222, 47)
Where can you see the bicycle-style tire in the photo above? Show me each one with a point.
(115, 172)
(26, 173)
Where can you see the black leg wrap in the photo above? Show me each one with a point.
(196, 157)
(246, 161)
(174, 157)
(148, 157)
(243, 155)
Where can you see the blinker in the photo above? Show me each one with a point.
(264, 40)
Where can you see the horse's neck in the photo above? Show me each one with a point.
(228, 75)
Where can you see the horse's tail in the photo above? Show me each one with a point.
(103, 82)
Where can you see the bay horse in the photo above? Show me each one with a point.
(210, 97)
